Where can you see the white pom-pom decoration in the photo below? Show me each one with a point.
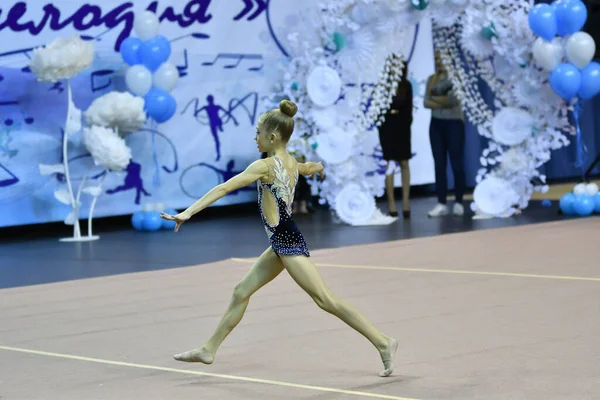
(323, 86)
(354, 205)
(106, 147)
(63, 58)
(117, 110)
(511, 126)
(495, 196)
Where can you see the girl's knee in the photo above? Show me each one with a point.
(326, 302)
(240, 293)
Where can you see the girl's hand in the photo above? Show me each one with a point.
(321, 170)
(179, 218)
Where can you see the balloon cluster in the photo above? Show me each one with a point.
(558, 26)
(149, 219)
(583, 201)
(150, 75)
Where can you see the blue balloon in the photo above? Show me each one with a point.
(590, 81)
(567, 204)
(137, 221)
(156, 103)
(565, 80)
(560, 28)
(584, 205)
(169, 224)
(572, 16)
(542, 21)
(165, 46)
(597, 203)
(130, 51)
(168, 111)
(153, 53)
(152, 221)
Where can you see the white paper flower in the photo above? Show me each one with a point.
(358, 55)
(472, 38)
(511, 126)
(324, 118)
(514, 160)
(354, 205)
(107, 148)
(495, 196)
(117, 110)
(63, 58)
(323, 86)
(335, 145)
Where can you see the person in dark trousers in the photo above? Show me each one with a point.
(395, 140)
(447, 137)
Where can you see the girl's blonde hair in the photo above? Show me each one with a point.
(280, 120)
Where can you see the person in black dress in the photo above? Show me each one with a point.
(395, 140)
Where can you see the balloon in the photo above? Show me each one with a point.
(164, 44)
(419, 4)
(138, 80)
(567, 204)
(548, 55)
(153, 53)
(591, 189)
(339, 40)
(560, 29)
(130, 50)
(146, 25)
(597, 203)
(590, 81)
(565, 80)
(572, 16)
(579, 189)
(166, 77)
(580, 49)
(489, 31)
(584, 205)
(159, 104)
(542, 21)
(137, 221)
(152, 221)
(169, 224)
(168, 111)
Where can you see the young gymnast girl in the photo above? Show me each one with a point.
(277, 176)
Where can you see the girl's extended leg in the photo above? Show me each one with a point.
(306, 275)
(264, 270)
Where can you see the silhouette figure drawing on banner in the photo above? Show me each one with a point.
(213, 111)
(133, 180)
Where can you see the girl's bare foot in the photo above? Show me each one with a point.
(387, 356)
(197, 355)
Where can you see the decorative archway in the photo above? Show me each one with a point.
(335, 75)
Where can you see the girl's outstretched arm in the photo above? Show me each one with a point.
(311, 168)
(255, 171)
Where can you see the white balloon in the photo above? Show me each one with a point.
(548, 54)
(580, 49)
(591, 189)
(146, 25)
(138, 79)
(166, 77)
(579, 189)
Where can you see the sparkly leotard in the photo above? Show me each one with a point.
(284, 235)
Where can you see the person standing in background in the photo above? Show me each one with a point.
(447, 137)
(395, 140)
